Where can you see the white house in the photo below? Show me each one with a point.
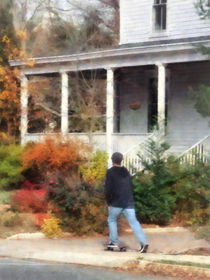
(147, 77)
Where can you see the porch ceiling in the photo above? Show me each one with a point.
(116, 58)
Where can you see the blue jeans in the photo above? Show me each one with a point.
(130, 215)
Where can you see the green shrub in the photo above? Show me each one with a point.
(81, 207)
(10, 166)
(167, 187)
(10, 219)
(153, 193)
(193, 194)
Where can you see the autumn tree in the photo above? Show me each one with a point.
(48, 32)
(9, 87)
(6, 27)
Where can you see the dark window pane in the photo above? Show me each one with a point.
(164, 17)
(160, 17)
(157, 17)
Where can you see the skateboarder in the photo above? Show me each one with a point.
(119, 197)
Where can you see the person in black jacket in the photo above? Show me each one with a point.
(119, 197)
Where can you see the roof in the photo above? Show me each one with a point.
(112, 57)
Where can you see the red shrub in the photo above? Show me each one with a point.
(30, 200)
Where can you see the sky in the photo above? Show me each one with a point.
(72, 12)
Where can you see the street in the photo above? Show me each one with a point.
(12, 269)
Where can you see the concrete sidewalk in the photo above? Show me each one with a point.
(169, 244)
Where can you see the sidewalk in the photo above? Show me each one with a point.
(168, 244)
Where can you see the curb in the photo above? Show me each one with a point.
(34, 235)
(168, 270)
(194, 259)
(128, 263)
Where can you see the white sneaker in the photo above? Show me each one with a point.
(143, 248)
(112, 245)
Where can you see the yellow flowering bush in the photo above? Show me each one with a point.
(95, 171)
(51, 227)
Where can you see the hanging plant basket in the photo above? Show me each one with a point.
(135, 106)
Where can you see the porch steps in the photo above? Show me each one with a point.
(187, 152)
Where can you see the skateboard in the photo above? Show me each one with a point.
(120, 248)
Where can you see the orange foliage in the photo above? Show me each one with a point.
(9, 84)
(52, 155)
(9, 100)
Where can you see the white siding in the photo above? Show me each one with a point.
(184, 122)
(182, 21)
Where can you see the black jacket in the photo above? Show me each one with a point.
(119, 188)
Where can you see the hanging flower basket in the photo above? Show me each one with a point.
(135, 106)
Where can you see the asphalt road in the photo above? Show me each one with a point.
(12, 269)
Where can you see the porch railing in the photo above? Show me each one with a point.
(132, 159)
(199, 151)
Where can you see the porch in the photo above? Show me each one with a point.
(144, 87)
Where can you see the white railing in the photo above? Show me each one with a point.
(199, 151)
(133, 158)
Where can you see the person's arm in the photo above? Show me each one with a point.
(108, 188)
(131, 182)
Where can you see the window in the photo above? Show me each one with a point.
(159, 10)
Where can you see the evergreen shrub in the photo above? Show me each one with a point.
(167, 188)
(153, 187)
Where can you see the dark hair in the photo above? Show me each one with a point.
(117, 158)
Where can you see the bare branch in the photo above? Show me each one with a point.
(46, 108)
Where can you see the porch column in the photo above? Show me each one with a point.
(64, 103)
(109, 112)
(24, 107)
(161, 96)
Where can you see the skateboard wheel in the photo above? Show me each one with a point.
(110, 249)
(122, 249)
